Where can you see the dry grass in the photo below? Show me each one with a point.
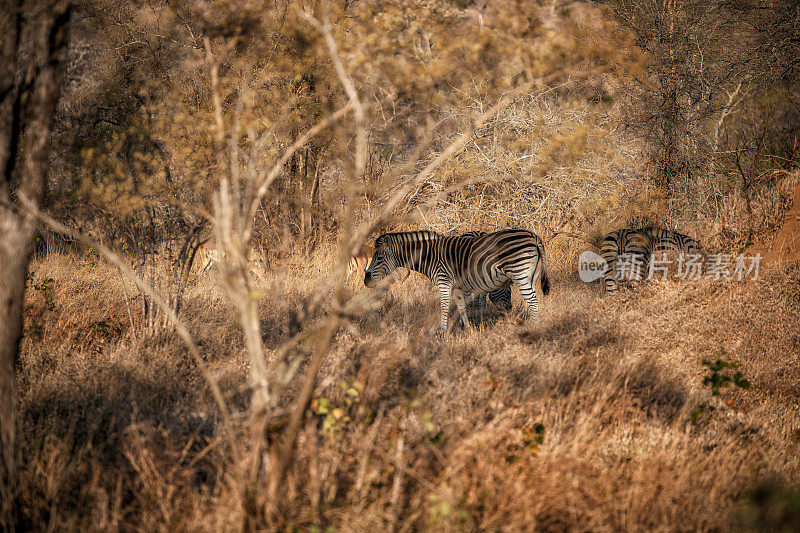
(444, 434)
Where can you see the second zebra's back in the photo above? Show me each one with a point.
(637, 247)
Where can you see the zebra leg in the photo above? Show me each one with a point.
(461, 305)
(642, 260)
(444, 307)
(527, 289)
(475, 305)
(610, 250)
(610, 276)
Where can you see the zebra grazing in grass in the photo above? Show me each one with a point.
(639, 246)
(465, 264)
(359, 262)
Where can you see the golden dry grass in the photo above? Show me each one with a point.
(444, 433)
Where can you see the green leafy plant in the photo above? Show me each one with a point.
(352, 391)
(721, 374)
(699, 412)
(719, 378)
(442, 511)
(46, 288)
(336, 417)
(532, 438)
(90, 259)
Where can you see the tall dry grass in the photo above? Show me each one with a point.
(580, 420)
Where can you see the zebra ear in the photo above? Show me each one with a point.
(374, 240)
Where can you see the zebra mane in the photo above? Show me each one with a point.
(669, 231)
(410, 236)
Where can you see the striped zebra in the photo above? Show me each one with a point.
(465, 264)
(501, 298)
(639, 246)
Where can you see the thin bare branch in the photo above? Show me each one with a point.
(264, 184)
(180, 328)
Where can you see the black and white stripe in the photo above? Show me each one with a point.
(465, 264)
(501, 298)
(638, 246)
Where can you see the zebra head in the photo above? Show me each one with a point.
(383, 263)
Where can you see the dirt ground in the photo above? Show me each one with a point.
(785, 245)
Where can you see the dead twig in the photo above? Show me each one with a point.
(397, 483)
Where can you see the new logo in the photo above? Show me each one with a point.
(590, 266)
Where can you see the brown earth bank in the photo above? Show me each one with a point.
(785, 245)
(598, 416)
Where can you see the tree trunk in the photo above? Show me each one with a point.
(30, 87)
(12, 287)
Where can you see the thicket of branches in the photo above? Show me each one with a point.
(256, 124)
(717, 103)
(691, 103)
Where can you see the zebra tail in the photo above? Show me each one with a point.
(545, 279)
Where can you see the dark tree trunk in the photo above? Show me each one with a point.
(30, 87)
